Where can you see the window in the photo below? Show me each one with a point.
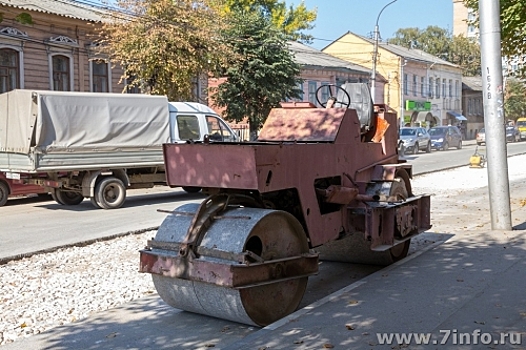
(300, 86)
(312, 92)
(9, 70)
(457, 84)
(99, 76)
(61, 73)
(188, 127)
(444, 88)
(437, 88)
(450, 88)
(217, 130)
(422, 87)
(406, 88)
(324, 93)
(430, 88)
(415, 84)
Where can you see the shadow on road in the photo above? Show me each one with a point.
(132, 200)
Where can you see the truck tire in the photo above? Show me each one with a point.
(110, 193)
(68, 197)
(94, 203)
(191, 189)
(4, 193)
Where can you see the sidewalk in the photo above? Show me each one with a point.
(465, 293)
(468, 290)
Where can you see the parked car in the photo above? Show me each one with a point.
(481, 137)
(415, 139)
(512, 134)
(12, 188)
(443, 137)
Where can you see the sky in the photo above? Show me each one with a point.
(337, 17)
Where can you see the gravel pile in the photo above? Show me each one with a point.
(48, 290)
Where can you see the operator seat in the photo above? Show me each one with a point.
(361, 101)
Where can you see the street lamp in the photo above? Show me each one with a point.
(375, 51)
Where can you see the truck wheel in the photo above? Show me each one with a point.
(68, 197)
(110, 193)
(94, 203)
(4, 193)
(190, 189)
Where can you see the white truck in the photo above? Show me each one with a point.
(97, 145)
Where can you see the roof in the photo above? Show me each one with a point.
(472, 83)
(309, 56)
(64, 8)
(190, 107)
(404, 52)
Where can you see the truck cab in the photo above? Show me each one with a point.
(192, 121)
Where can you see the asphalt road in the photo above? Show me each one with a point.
(35, 224)
(439, 160)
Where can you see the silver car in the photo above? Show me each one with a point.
(415, 139)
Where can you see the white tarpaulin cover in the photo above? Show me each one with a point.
(81, 121)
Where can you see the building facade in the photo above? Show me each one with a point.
(472, 104)
(49, 45)
(424, 89)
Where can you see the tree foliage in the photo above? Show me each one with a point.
(164, 44)
(293, 21)
(265, 73)
(515, 99)
(441, 43)
(512, 19)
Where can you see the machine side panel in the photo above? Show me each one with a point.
(305, 125)
(214, 165)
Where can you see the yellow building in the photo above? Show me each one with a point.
(421, 87)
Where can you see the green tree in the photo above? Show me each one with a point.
(263, 74)
(440, 43)
(512, 19)
(165, 45)
(293, 21)
(515, 99)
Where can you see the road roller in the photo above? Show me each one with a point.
(319, 183)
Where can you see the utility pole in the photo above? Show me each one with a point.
(494, 119)
(375, 51)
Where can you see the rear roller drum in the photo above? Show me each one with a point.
(270, 234)
(356, 249)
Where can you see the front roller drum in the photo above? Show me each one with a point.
(207, 281)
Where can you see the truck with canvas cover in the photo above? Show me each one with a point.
(96, 145)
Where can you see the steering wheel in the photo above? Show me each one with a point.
(346, 101)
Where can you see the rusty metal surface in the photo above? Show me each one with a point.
(305, 125)
(228, 274)
(270, 166)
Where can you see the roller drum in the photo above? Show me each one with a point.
(270, 234)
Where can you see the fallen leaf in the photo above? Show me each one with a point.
(353, 302)
(112, 335)
(328, 346)
(523, 314)
(23, 325)
(480, 322)
(350, 327)
(298, 342)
